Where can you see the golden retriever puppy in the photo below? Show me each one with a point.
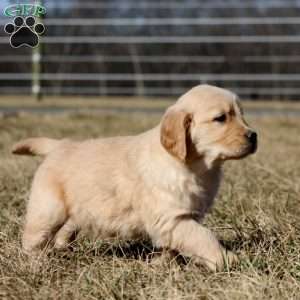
(158, 184)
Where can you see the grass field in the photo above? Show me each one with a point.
(256, 214)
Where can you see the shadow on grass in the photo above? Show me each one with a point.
(142, 250)
(145, 251)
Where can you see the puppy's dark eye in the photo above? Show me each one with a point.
(220, 119)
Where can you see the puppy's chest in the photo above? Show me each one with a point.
(200, 193)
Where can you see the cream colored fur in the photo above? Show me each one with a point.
(158, 184)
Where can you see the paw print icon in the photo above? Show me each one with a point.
(24, 32)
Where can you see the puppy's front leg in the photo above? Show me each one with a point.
(192, 239)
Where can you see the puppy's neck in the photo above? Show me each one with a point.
(190, 188)
(174, 173)
(195, 164)
(200, 166)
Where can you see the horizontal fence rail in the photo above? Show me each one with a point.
(159, 48)
(268, 91)
(175, 5)
(167, 39)
(154, 59)
(152, 77)
(169, 21)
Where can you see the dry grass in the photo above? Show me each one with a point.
(256, 214)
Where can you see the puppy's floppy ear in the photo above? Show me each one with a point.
(174, 132)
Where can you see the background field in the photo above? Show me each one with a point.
(256, 214)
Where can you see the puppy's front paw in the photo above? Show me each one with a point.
(224, 259)
(229, 259)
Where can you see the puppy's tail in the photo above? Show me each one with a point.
(35, 146)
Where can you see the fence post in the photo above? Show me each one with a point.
(36, 68)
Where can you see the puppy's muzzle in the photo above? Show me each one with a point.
(252, 139)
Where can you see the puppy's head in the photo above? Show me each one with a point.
(207, 122)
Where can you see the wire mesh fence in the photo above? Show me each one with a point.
(150, 48)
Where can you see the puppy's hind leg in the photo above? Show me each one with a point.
(46, 214)
(65, 233)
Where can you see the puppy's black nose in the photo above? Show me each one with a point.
(252, 138)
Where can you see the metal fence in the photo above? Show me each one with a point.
(160, 48)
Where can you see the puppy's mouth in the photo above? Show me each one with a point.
(243, 151)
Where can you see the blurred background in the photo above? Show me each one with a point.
(159, 48)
